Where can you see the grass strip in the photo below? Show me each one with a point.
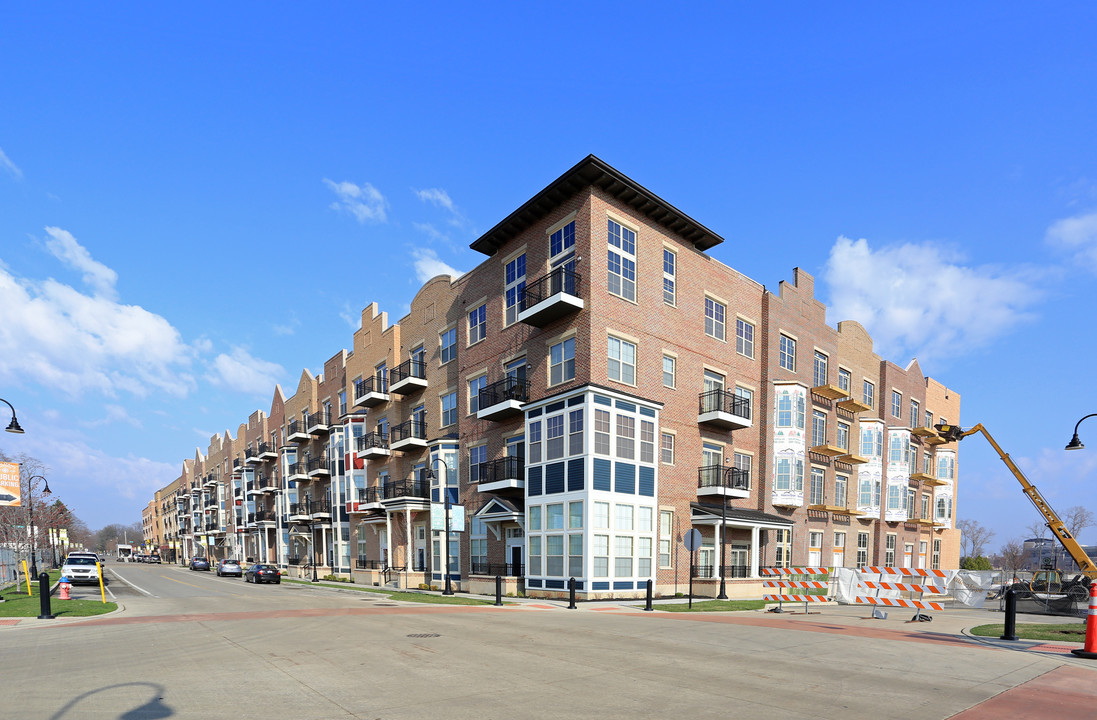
(19, 604)
(1072, 632)
(713, 606)
(403, 596)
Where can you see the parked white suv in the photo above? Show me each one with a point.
(81, 568)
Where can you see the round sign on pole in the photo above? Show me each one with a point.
(692, 540)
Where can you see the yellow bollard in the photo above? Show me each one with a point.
(102, 590)
(26, 574)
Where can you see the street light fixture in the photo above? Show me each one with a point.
(1075, 443)
(30, 519)
(13, 426)
(446, 504)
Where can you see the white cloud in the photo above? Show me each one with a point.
(1078, 235)
(243, 373)
(437, 197)
(52, 334)
(918, 300)
(432, 232)
(8, 165)
(364, 202)
(63, 246)
(112, 415)
(427, 265)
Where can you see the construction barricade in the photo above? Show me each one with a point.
(799, 578)
(882, 586)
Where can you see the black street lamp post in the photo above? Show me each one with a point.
(13, 426)
(30, 519)
(444, 485)
(1075, 443)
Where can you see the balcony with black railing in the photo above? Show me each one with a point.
(396, 490)
(502, 399)
(299, 511)
(251, 455)
(493, 569)
(723, 409)
(408, 377)
(410, 434)
(265, 482)
(372, 445)
(505, 473)
(320, 508)
(318, 422)
(371, 391)
(715, 572)
(724, 480)
(266, 452)
(265, 516)
(368, 498)
(550, 297)
(296, 432)
(298, 471)
(318, 467)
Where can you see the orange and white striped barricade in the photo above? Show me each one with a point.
(783, 586)
(921, 584)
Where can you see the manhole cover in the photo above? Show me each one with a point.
(424, 635)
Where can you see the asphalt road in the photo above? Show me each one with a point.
(191, 645)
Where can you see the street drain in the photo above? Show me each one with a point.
(424, 635)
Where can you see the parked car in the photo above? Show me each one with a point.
(262, 573)
(82, 568)
(199, 563)
(229, 567)
(154, 559)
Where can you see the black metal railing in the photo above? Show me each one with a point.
(511, 467)
(408, 369)
(264, 448)
(213, 526)
(250, 453)
(372, 440)
(265, 516)
(251, 518)
(237, 491)
(295, 560)
(724, 476)
(318, 464)
(405, 488)
(730, 571)
(294, 427)
(320, 506)
(372, 384)
(298, 468)
(721, 400)
(510, 388)
(363, 564)
(251, 485)
(409, 429)
(560, 280)
(369, 494)
(510, 569)
(263, 481)
(318, 419)
(299, 508)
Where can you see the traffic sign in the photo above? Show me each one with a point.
(692, 540)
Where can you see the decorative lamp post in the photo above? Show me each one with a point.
(13, 426)
(444, 484)
(1075, 443)
(30, 516)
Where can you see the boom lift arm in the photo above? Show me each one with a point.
(1062, 534)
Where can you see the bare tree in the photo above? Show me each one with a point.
(1037, 529)
(1077, 519)
(1011, 556)
(973, 537)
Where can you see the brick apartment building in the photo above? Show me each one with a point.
(594, 389)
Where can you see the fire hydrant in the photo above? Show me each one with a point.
(64, 586)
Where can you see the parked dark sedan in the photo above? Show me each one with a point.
(261, 573)
(199, 563)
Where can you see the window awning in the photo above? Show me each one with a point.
(705, 514)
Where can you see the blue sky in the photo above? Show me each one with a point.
(197, 201)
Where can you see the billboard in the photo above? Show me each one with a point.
(9, 483)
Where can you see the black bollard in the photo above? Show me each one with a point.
(498, 590)
(44, 596)
(571, 587)
(1011, 616)
(648, 606)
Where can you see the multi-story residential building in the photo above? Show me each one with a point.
(595, 388)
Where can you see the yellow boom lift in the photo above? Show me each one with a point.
(1049, 581)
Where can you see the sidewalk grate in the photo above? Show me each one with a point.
(424, 635)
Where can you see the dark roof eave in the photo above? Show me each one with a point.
(593, 171)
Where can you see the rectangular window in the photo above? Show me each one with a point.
(626, 437)
(927, 463)
(862, 549)
(788, 353)
(622, 261)
(601, 555)
(475, 386)
(562, 240)
(554, 516)
(841, 483)
(643, 519)
(515, 279)
(666, 448)
(869, 394)
(929, 419)
(477, 457)
(784, 548)
(744, 338)
(622, 361)
(575, 555)
(448, 340)
(670, 266)
(915, 413)
(666, 536)
(743, 464)
(889, 550)
(554, 437)
(871, 441)
(818, 478)
(601, 432)
(600, 516)
(534, 517)
(747, 396)
(575, 515)
(818, 428)
(912, 503)
(790, 474)
(715, 318)
(945, 467)
(936, 561)
(575, 432)
(843, 435)
(845, 379)
(896, 404)
(535, 555)
(925, 507)
(819, 374)
(647, 441)
(449, 409)
(623, 517)
(554, 555)
(622, 556)
(534, 432)
(478, 323)
(668, 371)
(643, 557)
(562, 362)
(790, 410)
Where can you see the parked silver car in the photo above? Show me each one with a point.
(229, 567)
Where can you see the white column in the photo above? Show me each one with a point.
(388, 535)
(754, 533)
(408, 552)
